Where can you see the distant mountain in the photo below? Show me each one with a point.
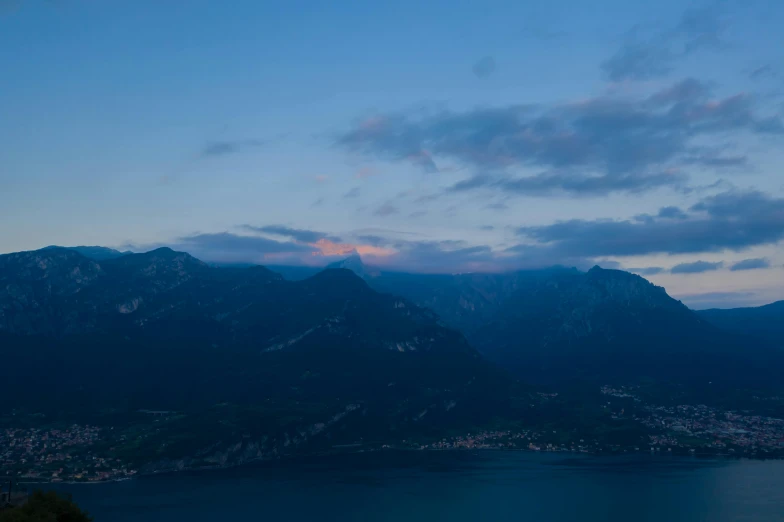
(613, 325)
(96, 253)
(163, 330)
(762, 322)
(295, 273)
(560, 323)
(355, 264)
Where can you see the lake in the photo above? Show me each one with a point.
(452, 486)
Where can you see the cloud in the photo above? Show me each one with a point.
(763, 72)
(643, 57)
(647, 271)
(592, 147)
(719, 300)
(484, 67)
(299, 235)
(302, 247)
(731, 220)
(228, 247)
(672, 213)
(750, 264)
(696, 267)
(386, 210)
(225, 148)
(487, 227)
(353, 193)
(439, 257)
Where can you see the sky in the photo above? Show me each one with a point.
(438, 137)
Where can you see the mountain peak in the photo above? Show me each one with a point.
(355, 264)
(96, 253)
(167, 266)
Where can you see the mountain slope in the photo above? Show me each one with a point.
(610, 324)
(558, 323)
(162, 330)
(762, 322)
(96, 253)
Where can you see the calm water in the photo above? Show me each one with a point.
(453, 486)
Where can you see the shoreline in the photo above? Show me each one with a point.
(163, 472)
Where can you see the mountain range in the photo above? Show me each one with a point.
(560, 323)
(349, 351)
(164, 331)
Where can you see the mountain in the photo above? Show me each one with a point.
(762, 322)
(355, 264)
(560, 323)
(164, 331)
(617, 326)
(96, 253)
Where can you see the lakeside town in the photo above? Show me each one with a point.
(84, 453)
(700, 427)
(59, 455)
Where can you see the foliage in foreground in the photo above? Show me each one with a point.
(46, 507)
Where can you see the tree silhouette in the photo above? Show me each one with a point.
(46, 507)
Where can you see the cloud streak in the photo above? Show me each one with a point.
(644, 57)
(750, 264)
(226, 148)
(297, 234)
(732, 220)
(697, 267)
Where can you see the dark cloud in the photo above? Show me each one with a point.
(750, 264)
(697, 267)
(647, 271)
(672, 213)
(487, 227)
(228, 247)
(224, 148)
(763, 72)
(300, 235)
(732, 220)
(417, 214)
(353, 193)
(646, 56)
(484, 67)
(386, 210)
(594, 147)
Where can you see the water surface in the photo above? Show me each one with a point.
(454, 486)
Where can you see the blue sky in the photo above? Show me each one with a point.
(436, 137)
